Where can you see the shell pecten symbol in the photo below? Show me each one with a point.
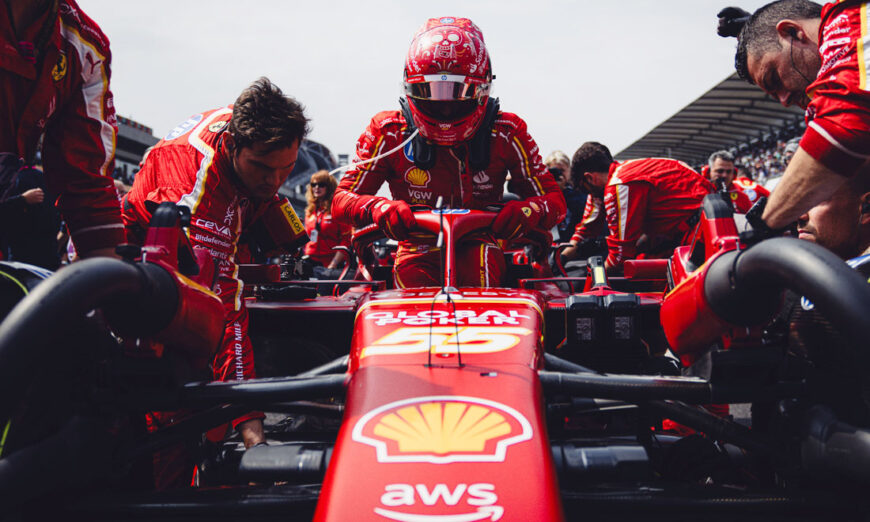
(417, 177)
(442, 430)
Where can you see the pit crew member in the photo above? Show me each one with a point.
(226, 165)
(802, 53)
(54, 83)
(465, 149)
(650, 205)
(323, 231)
(743, 192)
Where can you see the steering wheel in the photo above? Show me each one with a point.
(450, 227)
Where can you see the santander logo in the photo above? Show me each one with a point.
(479, 502)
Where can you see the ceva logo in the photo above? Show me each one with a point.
(442, 429)
(479, 498)
(220, 230)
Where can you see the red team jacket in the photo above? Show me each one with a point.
(744, 193)
(189, 167)
(325, 233)
(838, 116)
(66, 96)
(511, 150)
(652, 196)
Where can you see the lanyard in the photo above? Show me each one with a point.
(318, 217)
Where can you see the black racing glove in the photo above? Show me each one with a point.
(731, 21)
(760, 231)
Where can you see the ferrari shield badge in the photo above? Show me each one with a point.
(60, 67)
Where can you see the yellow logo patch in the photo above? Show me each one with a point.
(217, 126)
(293, 219)
(417, 177)
(59, 70)
(734, 196)
(527, 211)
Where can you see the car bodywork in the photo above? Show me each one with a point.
(464, 404)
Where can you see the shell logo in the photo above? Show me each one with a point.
(442, 429)
(418, 177)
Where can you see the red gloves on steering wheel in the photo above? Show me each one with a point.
(516, 219)
(395, 218)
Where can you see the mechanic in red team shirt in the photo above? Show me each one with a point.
(463, 153)
(54, 82)
(743, 191)
(802, 53)
(650, 205)
(226, 165)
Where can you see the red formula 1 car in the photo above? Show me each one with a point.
(446, 404)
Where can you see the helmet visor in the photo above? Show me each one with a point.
(446, 110)
(446, 87)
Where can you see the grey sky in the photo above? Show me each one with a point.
(575, 71)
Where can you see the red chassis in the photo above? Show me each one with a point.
(466, 404)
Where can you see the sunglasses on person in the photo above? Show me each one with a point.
(320, 184)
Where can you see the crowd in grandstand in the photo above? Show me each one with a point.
(766, 160)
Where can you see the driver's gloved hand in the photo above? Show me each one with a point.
(395, 218)
(515, 219)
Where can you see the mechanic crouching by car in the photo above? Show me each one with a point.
(464, 150)
(226, 166)
(650, 205)
(840, 224)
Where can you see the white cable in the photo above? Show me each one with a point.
(376, 158)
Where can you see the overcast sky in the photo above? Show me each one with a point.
(574, 70)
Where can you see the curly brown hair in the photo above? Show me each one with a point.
(324, 203)
(263, 114)
(590, 157)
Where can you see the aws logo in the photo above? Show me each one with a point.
(418, 177)
(442, 429)
(480, 499)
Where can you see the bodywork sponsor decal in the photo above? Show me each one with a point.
(444, 340)
(442, 429)
(476, 501)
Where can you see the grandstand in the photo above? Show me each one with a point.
(733, 115)
(133, 140)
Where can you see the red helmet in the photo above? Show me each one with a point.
(447, 79)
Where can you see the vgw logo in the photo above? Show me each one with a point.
(480, 498)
